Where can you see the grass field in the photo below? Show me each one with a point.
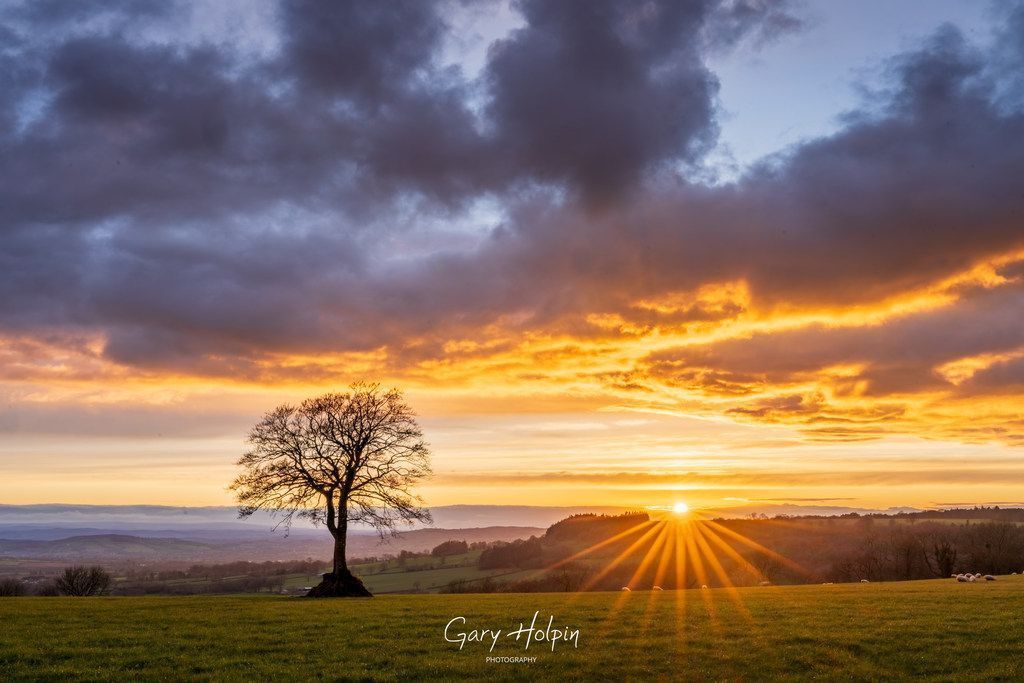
(426, 581)
(422, 574)
(937, 630)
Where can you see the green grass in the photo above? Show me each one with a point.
(434, 580)
(412, 576)
(933, 630)
(426, 580)
(462, 559)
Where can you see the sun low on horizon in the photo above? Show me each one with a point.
(619, 258)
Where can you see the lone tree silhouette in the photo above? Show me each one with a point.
(337, 459)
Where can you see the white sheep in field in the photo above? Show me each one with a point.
(765, 583)
(657, 588)
(704, 586)
(978, 575)
(961, 578)
(864, 581)
(627, 589)
(989, 577)
(970, 578)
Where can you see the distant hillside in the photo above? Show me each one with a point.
(422, 540)
(121, 548)
(599, 552)
(60, 520)
(103, 546)
(136, 519)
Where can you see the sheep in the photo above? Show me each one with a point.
(765, 583)
(864, 581)
(970, 578)
(989, 577)
(627, 589)
(978, 575)
(704, 586)
(657, 588)
(961, 578)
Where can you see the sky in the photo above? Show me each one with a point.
(614, 253)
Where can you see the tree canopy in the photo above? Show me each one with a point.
(336, 459)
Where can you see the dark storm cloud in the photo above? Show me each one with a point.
(152, 134)
(598, 93)
(601, 91)
(167, 132)
(202, 207)
(919, 186)
(353, 99)
(407, 125)
(148, 183)
(902, 196)
(367, 52)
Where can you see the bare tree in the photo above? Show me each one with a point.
(902, 554)
(940, 551)
(84, 581)
(337, 459)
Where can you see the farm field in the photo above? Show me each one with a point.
(426, 581)
(931, 630)
(421, 574)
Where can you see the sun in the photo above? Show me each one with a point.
(680, 508)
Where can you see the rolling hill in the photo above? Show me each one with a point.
(915, 630)
(118, 548)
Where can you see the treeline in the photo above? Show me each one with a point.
(229, 577)
(272, 576)
(449, 548)
(881, 548)
(753, 551)
(993, 513)
(228, 570)
(76, 581)
(238, 584)
(521, 554)
(591, 528)
(560, 540)
(933, 550)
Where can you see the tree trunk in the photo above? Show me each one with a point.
(340, 543)
(340, 582)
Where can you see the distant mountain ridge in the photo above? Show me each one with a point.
(166, 517)
(116, 548)
(38, 521)
(101, 545)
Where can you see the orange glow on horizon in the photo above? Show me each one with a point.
(630, 406)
